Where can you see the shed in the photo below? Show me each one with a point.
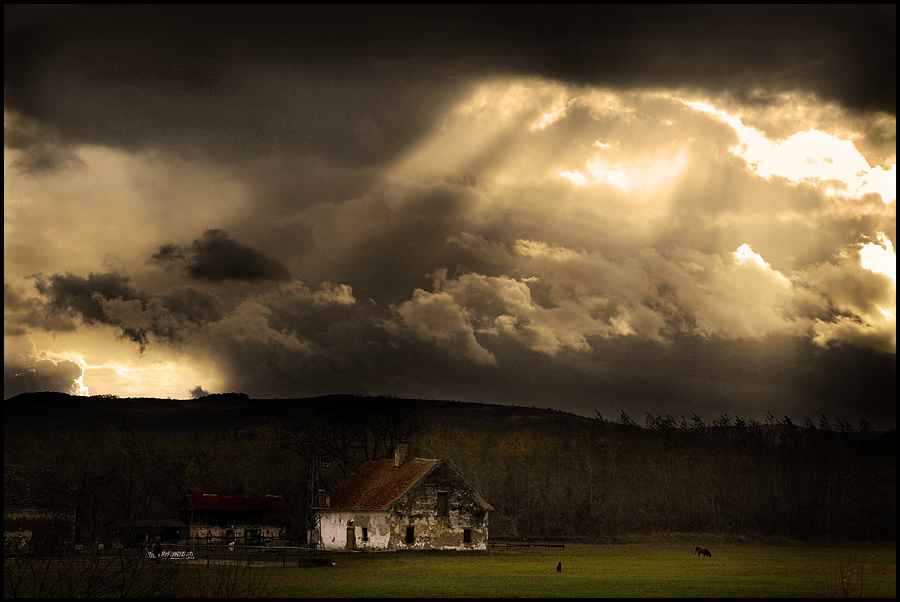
(226, 518)
(397, 504)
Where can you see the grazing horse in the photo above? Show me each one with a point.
(702, 552)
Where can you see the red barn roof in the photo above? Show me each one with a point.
(378, 484)
(236, 502)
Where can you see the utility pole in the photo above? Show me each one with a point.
(316, 500)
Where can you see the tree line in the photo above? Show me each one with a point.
(579, 480)
(802, 481)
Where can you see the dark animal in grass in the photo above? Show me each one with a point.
(559, 567)
(702, 552)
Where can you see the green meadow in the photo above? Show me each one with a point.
(624, 570)
(651, 569)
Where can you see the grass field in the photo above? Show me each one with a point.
(660, 569)
(630, 570)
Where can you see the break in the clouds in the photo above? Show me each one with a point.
(654, 221)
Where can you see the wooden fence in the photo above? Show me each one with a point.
(524, 542)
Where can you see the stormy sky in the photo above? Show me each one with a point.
(666, 209)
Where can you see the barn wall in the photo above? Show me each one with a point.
(215, 524)
(335, 524)
(238, 532)
(418, 508)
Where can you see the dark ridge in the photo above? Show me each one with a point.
(236, 412)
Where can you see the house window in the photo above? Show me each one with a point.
(410, 535)
(467, 535)
(443, 508)
(365, 534)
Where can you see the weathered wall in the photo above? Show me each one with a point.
(41, 530)
(418, 508)
(335, 523)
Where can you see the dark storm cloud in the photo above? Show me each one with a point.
(74, 295)
(468, 231)
(110, 299)
(299, 349)
(194, 304)
(89, 298)
(357, 83)
(198, 392)
(42, 375)
(216, 257)
(17, 310)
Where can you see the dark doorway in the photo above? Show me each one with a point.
(410, 535)
(351, 538)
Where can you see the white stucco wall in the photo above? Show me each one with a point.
(335, 523)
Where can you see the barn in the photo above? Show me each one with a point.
(418, 503)
(38, 511)
(247, 519)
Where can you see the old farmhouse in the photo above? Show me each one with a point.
(247, 519)
(405, 504)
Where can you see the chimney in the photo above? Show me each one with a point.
(399, 454)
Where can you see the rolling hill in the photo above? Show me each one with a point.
(48, 411)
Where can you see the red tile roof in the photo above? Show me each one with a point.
(237, 502)
(378, 484)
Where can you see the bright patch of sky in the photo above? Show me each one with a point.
(810, 156)
(645, 175)
(167, 377)
(880, 257)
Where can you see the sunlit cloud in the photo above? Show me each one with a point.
(437, 317)
(78, 387)
(745, 254)
(536, 248)
(556, 222)
(577, 178)
(555, 113)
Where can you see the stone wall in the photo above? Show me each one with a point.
(420, 508)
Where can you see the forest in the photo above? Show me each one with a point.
(577, 479)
